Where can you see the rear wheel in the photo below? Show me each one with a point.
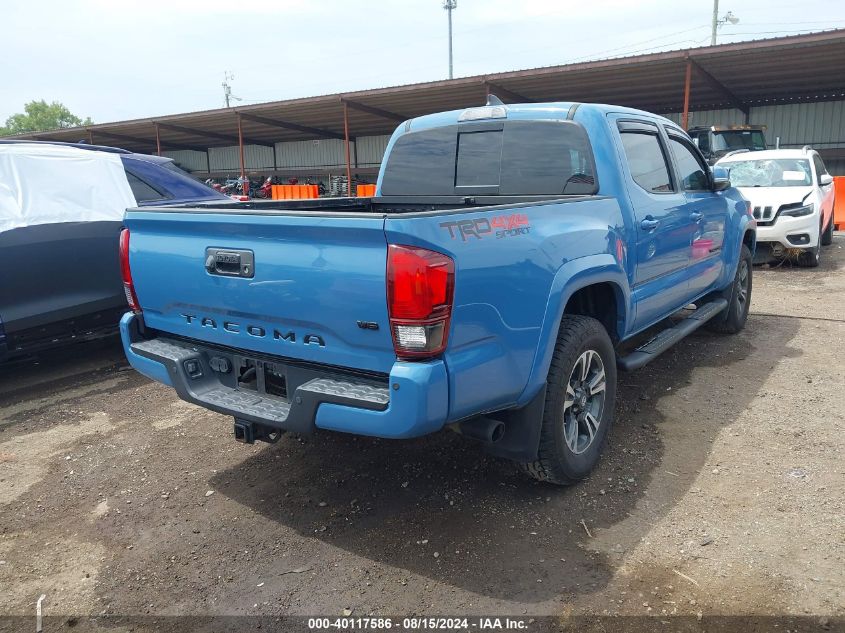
(738, 295)
(580, 399)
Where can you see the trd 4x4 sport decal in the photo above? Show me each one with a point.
(512, 225)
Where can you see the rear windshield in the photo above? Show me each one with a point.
(156, 180)
(492, 158)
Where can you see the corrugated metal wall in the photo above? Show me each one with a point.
(835, 167)
(189, 159)
(224, 158)
(819, 124)
(318, 153)
(371, 150)
(330, 153)
(228, 158)
(323, 153)
(711, 117)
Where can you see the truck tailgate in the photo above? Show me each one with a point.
(314, 292)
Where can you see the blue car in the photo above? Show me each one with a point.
(61, 211)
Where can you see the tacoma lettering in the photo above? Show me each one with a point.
(256, 331)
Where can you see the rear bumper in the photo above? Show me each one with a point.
(413, 400)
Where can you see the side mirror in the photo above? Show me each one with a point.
(720, 184)
(825, 179)
(721, 180)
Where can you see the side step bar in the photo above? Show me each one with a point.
(668, 337)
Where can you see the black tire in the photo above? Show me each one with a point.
(579, 338)
(827, 236)
(738, 295)
(809, 258)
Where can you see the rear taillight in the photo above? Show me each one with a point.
(126, 272)
(420, 288)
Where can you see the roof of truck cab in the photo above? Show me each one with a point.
(556, 110)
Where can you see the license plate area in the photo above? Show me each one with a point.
(262, 377)
(278, 393)
(275, 381)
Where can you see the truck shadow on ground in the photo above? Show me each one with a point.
(440, 508)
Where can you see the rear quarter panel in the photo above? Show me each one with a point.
(508, 287)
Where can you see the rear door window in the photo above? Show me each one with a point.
(646, 161)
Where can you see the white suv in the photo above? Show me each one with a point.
(791, 197)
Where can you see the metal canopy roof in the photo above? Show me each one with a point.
(790, 69)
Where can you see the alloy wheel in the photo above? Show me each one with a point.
(742, 284)
(583, 405)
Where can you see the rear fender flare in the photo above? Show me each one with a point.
(571, 277)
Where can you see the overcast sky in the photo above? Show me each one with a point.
(121, 59)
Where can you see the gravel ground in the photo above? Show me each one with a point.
(721, 493)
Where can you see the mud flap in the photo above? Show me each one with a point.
(521, 440)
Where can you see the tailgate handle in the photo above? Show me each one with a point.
(229, 262)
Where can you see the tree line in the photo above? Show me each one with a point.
(40, 116)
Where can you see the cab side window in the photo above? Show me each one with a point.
(692, 171)
(646, 160)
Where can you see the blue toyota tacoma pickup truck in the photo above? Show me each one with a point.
(501, 274)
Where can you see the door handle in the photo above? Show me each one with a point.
(649, 224)
(695, 216)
